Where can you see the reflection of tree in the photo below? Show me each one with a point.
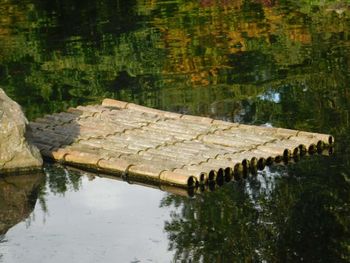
(18, 196)
(315, 226)
(64, 58)
(59, 179)
(298, 218)
(212, 227)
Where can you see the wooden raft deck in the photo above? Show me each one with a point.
(183, 150)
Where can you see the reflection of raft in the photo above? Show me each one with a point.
(183, 150)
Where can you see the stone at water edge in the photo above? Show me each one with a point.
(16, 154)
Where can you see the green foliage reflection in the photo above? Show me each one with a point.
(53, 56)
(298, 217)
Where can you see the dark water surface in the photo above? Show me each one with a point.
(271, 62)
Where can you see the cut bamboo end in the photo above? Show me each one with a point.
(262, 163)
(191, 170)
(253, 166)
(246, 163)
(302, 149)
(270, 160)
(312, 148)
(220, 177)
(212, 175)
(238, 171)
(228, 173)
(287, 154)
(296, 152)
(203, 178)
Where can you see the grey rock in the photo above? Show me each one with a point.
(16, 154)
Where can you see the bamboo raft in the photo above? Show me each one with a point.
(149, 144)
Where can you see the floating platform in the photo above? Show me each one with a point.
(149, 144)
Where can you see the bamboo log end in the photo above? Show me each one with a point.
(262, 163)
(212, 175)
(302, 149)
(287, 153)
(228, 174)
(270, 160)
(203, 178)
(238, 171)
(331, 140)
(220, 177)
(312, 148)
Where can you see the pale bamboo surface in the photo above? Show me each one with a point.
(149, 144)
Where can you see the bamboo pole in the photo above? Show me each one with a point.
(113, 165)
(245, 136)
(81, 158)
(123, 105)
(145, 171)
(176, 134)
(129, 116)
(155, 163)
(114, 103)
(166, 153)
(234, 143)
(179, 179)
(200, 176)
(178, 127)
(326, 138)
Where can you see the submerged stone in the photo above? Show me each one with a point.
(16, 154)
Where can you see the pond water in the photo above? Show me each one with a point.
(263, 62)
